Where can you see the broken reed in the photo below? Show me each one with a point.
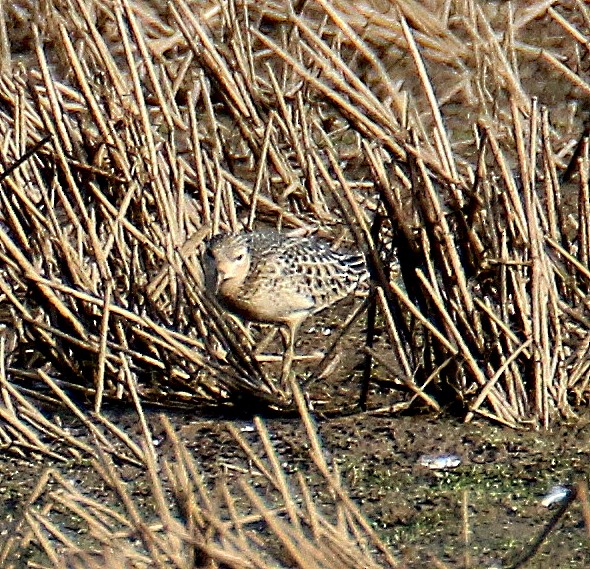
(228, 116)
(260, 517)
(236, 525)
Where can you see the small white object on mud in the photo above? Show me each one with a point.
(440, 461)
(556, 495)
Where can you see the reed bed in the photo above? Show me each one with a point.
(186, 524)
(134, 131)
(416, 132)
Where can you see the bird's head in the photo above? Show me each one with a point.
(226, 263)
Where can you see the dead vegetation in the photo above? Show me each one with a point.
(445, 139)
(234, 525)
(166, 126)
(269, 518)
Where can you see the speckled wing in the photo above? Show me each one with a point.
(308, 272)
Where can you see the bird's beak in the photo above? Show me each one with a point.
(219, 280)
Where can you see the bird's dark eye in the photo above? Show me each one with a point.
(240, 257)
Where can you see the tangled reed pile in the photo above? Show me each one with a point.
(439, 145)
(131, 133)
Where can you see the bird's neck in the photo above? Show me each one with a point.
(229, 288)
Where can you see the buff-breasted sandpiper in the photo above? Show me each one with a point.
(267, 276)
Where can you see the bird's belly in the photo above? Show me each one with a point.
(270, 307)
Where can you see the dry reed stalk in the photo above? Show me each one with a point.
(234, 527)
(161, 131)
(582, 492)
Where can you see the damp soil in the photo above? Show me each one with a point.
(483, 513)
(495, 493)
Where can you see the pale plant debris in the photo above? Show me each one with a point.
(189, 525)
(404, 131)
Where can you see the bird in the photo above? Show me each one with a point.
(272, 277)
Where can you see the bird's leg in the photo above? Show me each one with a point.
(288, 334)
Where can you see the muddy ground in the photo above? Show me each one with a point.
(503, 476)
